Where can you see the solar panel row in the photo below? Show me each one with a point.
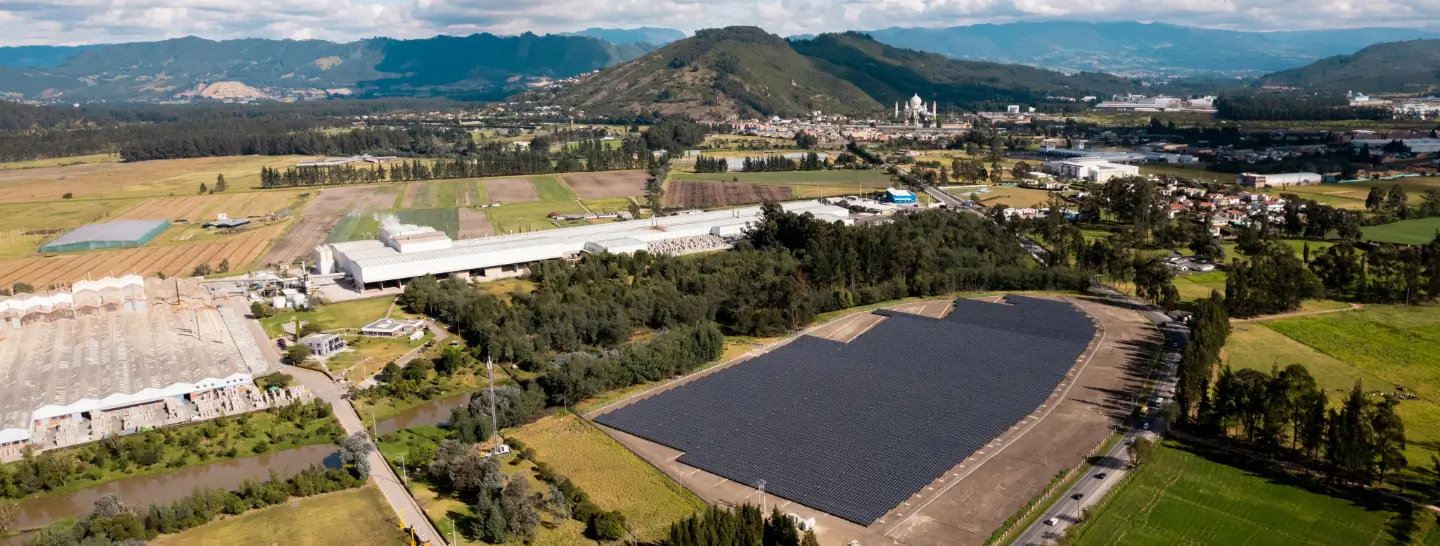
(854, 429)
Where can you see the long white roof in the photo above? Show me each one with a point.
(375, 262)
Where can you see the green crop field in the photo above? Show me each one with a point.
(872, 178)
(1408, 232)
(355, 226)
(552, 188)
(1189, 495)
(1382, 346)
(608, 204)
(446, 219)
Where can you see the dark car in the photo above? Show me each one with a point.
(1076, 496)
(1100, 476)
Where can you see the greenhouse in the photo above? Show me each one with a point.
(118, 234)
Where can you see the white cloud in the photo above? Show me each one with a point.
(25, 22)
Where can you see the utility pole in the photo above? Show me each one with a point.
(404, 476)
(760, 484)
(494, 423)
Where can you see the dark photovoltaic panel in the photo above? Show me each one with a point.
(855, 428)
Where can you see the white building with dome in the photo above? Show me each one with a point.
(915, 112)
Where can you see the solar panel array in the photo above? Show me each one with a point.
(855, 428)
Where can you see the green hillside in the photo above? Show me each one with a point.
(890, 74)
(1411, 68)
(735, 70)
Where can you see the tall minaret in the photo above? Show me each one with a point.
(934, 108)
(897, 110)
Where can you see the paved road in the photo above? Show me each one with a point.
(384, 476)
(1112, 467)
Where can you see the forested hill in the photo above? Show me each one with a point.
(717, 73)
(890, 74)
(255, 68)
(1411, 67)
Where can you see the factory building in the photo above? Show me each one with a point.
(1252, 180)
(899, 197)
(1090, 168)
(405, 252)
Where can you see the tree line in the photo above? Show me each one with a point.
(1294, 106)
(112, 522)
(742, 526)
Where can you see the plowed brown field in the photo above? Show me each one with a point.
(683, 194)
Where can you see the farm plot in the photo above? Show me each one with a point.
(511, 190)
(607, 184)
(1190, 495)
(684, 194)
(171, 260)
(25, 226)
(474, 224)
(868, 179)
(302, 239)
(446, 220)
(352, 198)
(164, 178)
(355, 226)
(1408, 232)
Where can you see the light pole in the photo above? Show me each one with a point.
(760, 484)
(494, 423)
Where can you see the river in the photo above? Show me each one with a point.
(141, 491)
(434, 412)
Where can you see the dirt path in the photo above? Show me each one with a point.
(1264, 318)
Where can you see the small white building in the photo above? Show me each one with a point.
(323, 345)
(388, 327)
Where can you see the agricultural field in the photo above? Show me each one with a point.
(607, 184)
(173, 177)
(687, 194)
(26, 226)
(344, 199)
(553, 188)
(614, 478)
(1351, 195)
(474, 224)
(171, 260)
(1190, 495)
(355, 226)
(60, 161)
(511, 190)
(1408, 232)
(533, 216)
(356, 516)
(608, 204)
(301, 240)
(207, 207)
(442, 219)
(857, 179)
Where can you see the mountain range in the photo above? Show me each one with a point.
(1140, 47)
(1410, 67)
(642, 35)
(745, 71)
(191, 67)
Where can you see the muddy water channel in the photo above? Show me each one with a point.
(434, 412)
(141, 491)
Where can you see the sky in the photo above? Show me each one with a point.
(72, 22)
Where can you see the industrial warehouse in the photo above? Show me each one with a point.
(407, 251)
(113, 356)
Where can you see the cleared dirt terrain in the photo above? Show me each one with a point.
(607, 184)
(207, 207)
(683, 194)
(171, 177)
(968, 503)
(511, 190)
(301, 241)
(347, 198)
(473, 224)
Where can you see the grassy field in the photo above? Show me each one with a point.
(172, 177)
(1382, 346)
(17, 219)
(350, 314)
(520, 217)
(1014, 197)
(368, 355)
(1187, 495)
(1187, 172)
(1408, 232)
(872, 178)
(1351, 195)
(608, 204)
(357, 516)
(552, 188)
(61, 161)
(1198, 285)
(354, 227)
(614, 478)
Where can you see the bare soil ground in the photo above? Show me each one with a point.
(301, 240)
(977, 496)
(684, 194)
(511, 190)
(473, 224)
(607, 184)
(345, 199)
(411, 191)
(469, 193)
(207, 207)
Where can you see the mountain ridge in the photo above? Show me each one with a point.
(1409, 68)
